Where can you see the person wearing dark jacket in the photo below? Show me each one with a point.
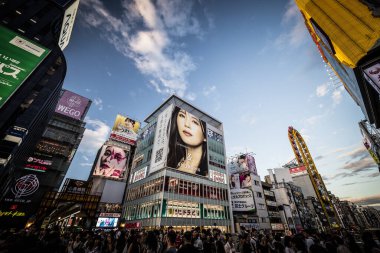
(187, 246)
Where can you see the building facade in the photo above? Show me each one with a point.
(178, 176)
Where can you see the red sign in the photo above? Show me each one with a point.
(133, 225)
(298, 170)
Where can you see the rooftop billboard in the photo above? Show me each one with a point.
(72, 105)
(125, 130)
(19, 57)
(181, 142)
(112, 162)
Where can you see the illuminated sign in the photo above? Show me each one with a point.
(25, 186)
(107, 222)
(112, 162)
(34, 167)
(11, 214)
(182, 209)
(19, 57)
(218, 177)
(139, 175)
(72, 105)
(113, 215)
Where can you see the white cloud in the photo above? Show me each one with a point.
(295, 33)
(208, 90)
(147, 34)
(98, 103)
(95, 135)
(313, 119)
(337, 95)
(322, 90)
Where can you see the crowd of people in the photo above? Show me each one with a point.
(194, 241)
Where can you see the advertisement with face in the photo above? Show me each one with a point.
(187, 143)
(373, 73)
(370, 145)
(72, 105)
(125, 130)
(242, 163)
(112, 162)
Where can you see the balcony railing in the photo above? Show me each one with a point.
(268, 193)
(271, 203)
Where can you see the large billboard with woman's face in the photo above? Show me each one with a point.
(181, 141)
(112, 162)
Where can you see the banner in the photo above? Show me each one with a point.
(125, 130)
(242, 200)
(242, 163)
(160, 145)
(187, 143)
(298, 171)
(372, 74)
(139, 175)
(111, 162)
(19, 57)
(72, 105)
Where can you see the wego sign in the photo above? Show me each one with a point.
(71, 105)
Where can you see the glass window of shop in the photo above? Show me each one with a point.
(214, 212)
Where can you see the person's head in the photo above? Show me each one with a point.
(113, 158)
(151, 241)
(242, 161)
(248, 178)
(287, 241)
(186, 131)
(171, 237)
(129, 124)
(77, 238)
(187, 237)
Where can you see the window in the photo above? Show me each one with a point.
(256, 182)
(259, 195)
(261, 206)
(263, 220)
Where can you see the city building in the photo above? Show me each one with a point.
(275, 219)
(33, 70)
(178, 176)
(347, 35)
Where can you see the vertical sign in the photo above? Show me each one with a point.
(19, 57)
(160, 146)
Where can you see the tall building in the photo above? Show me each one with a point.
(178, 176)
(274, 215)
(33, 69)
(247, 196)
(329, 216)
(347, 35)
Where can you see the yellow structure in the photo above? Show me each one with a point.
(349, 24)
(304, 158)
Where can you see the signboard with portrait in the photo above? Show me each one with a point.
(125, 130)
(242, 200)
(72, 105)
(19, 57)
(112, 162)
(218, 177)
(242, 163)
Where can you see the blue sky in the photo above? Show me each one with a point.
(251, 64)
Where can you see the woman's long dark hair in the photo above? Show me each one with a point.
(177, 148)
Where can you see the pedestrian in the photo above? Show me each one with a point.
(187, 246)
(170, 241)
(370, 245)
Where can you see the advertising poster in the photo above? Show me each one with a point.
(161, 140)
(107, 222)
(76, 186)
(373, 73)
(298, 171)
(242, 200)
(187, 143)
(139, 175)
(242, 163)
(19, 57)
(112, 162)
(72, 105)
(38, 163)
(125, 130)
(370, 145)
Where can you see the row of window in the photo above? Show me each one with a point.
(216, 147)
(177, 186)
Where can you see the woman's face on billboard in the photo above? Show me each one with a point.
(113, 158)
(189, 128)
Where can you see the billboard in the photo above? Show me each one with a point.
(125, 130)
(242, 200)
(67, 25)
(76, 186)
(242, 163)
(37, 164)
(107, 222)
(218, 177)
(19, 57)
(72, 105)
(372, 74)
(139, 175)
(111, 162)
(298, 171)
(371, 146)
(184, 137)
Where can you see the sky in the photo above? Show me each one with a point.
(251, 64)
